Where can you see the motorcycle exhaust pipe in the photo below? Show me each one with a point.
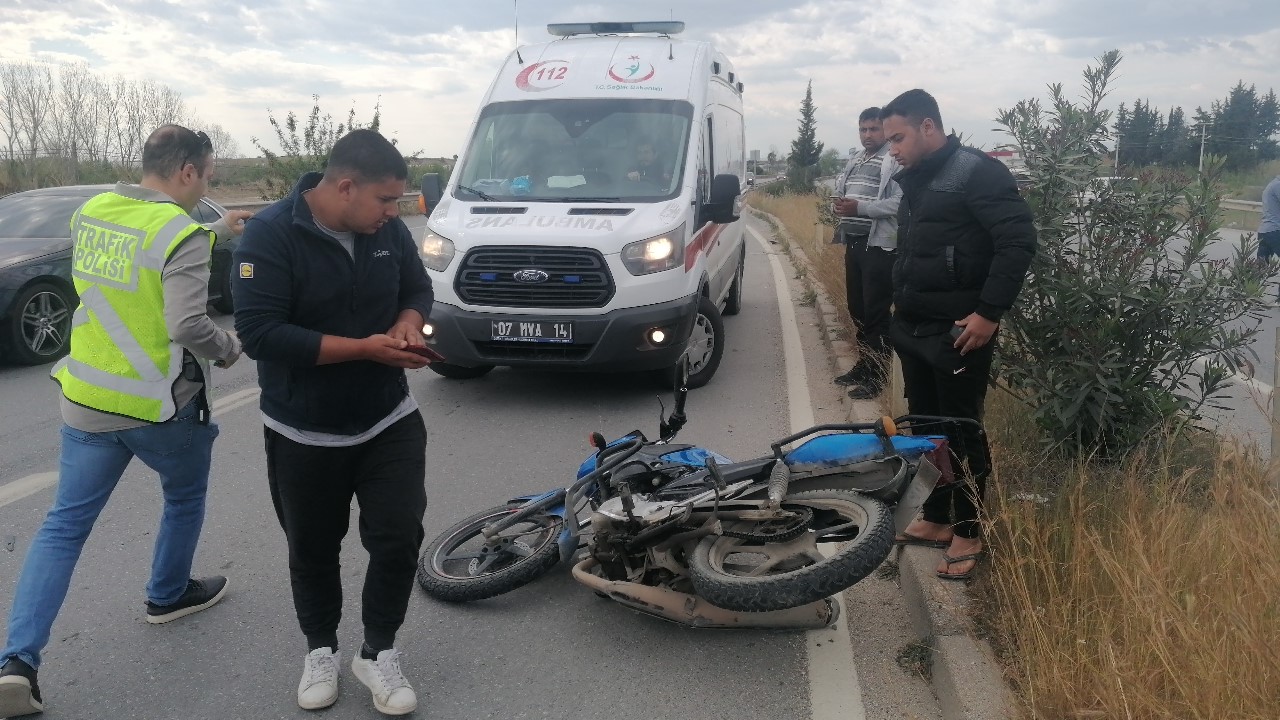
(696, 612)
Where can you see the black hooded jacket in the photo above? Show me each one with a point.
(965, 238)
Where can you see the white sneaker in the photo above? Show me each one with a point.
(319, 685)
(391, 692)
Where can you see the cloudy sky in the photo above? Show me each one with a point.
(429, 62)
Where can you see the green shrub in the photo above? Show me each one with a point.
(306, 153)
(1124, 323)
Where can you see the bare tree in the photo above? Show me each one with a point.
(10, 118)
(68, 113)
(35, 105)
(131, 120)
(71, 119)
(27, 104)
(93, 120)
(224, 146)
(161, 105)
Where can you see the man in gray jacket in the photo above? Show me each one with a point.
(867, 205)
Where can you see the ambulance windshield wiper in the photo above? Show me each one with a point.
(477, 193)
(590, 199)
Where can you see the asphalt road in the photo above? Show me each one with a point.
(1244, 410)
(550, 650)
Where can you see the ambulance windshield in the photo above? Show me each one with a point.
(577, 150)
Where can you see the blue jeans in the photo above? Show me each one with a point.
(179, 450)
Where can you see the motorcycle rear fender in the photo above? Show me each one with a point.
(885, 479)
(922, 484)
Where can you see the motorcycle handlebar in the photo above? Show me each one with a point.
(632, 443)
(606, 459)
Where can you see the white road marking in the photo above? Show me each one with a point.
(34, 483)
(235, 400)
(835, 693)
(29, 485)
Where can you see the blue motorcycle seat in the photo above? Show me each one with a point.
(830, 452)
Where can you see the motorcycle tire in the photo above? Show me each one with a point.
(445, 574)
(856, 556)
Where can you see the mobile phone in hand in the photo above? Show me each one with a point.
(427, 352)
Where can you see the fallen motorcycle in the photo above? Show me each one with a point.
(683, 533)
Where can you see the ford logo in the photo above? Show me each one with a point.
(530, 275)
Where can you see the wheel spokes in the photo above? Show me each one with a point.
(473, 554)
(43, 322)
(461, 556)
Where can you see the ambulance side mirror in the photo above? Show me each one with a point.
(431, 193)
(723, 205)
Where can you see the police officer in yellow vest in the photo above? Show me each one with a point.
(133, 385)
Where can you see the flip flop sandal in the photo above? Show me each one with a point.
(909, 539)
(975, 557)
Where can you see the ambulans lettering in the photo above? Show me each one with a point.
(541, 221)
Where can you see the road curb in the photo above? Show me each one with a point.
(964, 673)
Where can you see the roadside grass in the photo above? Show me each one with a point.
(1246, 220)
(1144, 590)
(799, 215)
(1248, 184)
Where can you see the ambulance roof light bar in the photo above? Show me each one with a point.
(664, 27)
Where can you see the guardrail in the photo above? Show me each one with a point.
(1247, 205)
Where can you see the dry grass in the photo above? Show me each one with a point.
(1150, 590)
(1144, 591)
(799, 215)
(1241, 220)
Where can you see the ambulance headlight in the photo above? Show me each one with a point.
(437, 251)
(655, 254)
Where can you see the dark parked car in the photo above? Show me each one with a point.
(37, 298)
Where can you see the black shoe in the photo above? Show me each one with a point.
(200, 594)
(19, 693)
(853, 377)
(865, 391)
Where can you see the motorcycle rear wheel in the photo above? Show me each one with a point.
(460, 565)
(753, 576)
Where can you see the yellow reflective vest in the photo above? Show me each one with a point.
(122, 360)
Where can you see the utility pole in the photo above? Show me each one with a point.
(1202, 137)
(1116, 169)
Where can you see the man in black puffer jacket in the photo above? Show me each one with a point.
(965, 242)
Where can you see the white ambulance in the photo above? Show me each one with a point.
(593, 220)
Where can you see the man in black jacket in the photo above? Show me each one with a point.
(329, 293)
(965, 242)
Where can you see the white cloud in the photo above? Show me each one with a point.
(429, 64)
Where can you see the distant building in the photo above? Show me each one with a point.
(1011, 158)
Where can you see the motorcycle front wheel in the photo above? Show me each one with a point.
(462, 565)
(752, 574)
